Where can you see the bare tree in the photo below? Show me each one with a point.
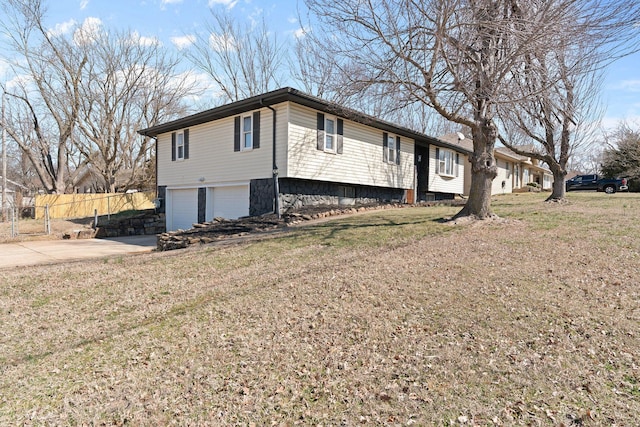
(563, 115)
(128, 83)
(460, 57)
(243, 60)
(42, 117)
(562, 118)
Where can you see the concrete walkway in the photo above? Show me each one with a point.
(53, 251)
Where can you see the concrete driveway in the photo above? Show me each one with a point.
(53, 251)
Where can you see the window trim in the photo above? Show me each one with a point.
(333, 136)
(387, 151)
(180, 140)
(180, 146)
(446, 154)
(321, 137)
(244, 133)
(392, 141)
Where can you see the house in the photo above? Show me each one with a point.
(286, 149)
(515, 172)
(16, 196)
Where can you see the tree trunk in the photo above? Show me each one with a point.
(483, 171)
(559, 192)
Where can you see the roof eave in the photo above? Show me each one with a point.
(301, 98)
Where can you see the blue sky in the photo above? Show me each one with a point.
(172, 21)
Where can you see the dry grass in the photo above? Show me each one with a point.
(387, 318)
(31, 229)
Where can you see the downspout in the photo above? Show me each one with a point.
(276, 186)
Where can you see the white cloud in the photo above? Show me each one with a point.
(292, 20)
(171, 2)
(300, 32)
(89, 31)
(222, 42)
(22, 80)
(229, 4)
(62, 28)
(629, 85)
(84, 4)
(183, 42)
(136, 38)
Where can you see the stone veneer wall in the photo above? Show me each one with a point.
(261, 196)
(297, 193)
(146, 223)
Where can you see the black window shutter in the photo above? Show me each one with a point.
(340, 142)
(236, 134)
(173, 147)
(320, 125)
(437, 160)
(256, 129)
(457, 163)
(397, 150)
(186, 143)
(385, 145)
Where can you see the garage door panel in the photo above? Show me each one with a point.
(183, 208)
(231, 202)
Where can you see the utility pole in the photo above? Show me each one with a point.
(4, 163)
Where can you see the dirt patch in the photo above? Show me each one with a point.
(31, 229)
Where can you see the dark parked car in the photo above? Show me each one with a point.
(596, 182)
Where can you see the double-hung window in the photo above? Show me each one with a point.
(180, 145)
(329, 134)
(247, 133)
(446, 162)
(391, 148)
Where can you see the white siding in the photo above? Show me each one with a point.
(496, 186)
(360, 163)
(211, 154)
(445, 184)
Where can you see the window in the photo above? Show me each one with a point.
(246, 132)
(346, 191)
(507, 166)
(329, 134)
(247, 129)
(180, 145)
(391, 147)
(446, 162)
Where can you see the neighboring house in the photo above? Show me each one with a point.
(286, 149)
(87, 179)
(16, 195)
(514, 171)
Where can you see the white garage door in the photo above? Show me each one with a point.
(182, 208)
(231, 202)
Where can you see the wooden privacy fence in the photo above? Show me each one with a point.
(85, 205)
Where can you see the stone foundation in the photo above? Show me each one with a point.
(298, 193)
